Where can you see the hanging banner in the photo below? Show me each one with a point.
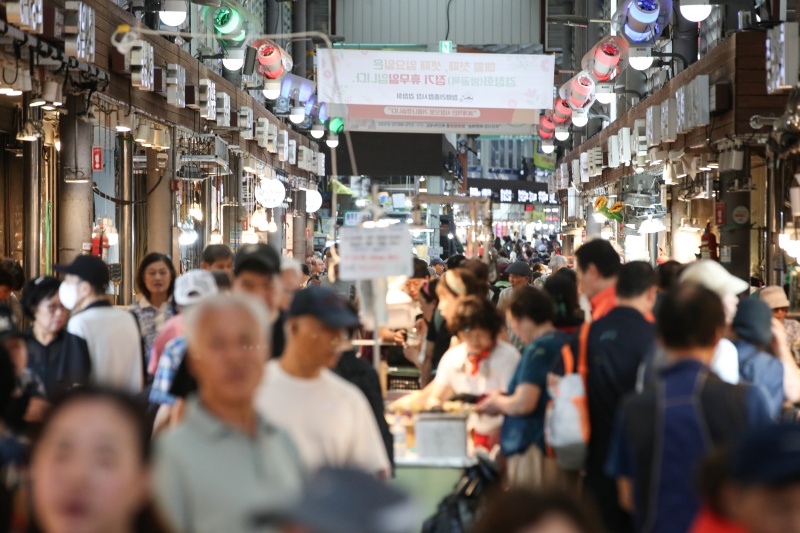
(541, 159)
(372, 253)
(400, 125)
(425, 85)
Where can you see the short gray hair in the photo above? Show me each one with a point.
(193, 316)
(558, 261)
(290, 263)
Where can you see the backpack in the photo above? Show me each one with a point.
(566, 424)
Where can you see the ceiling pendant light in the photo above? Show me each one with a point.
(216, 237)
(695, 10)
(332, 141)
(142, 132)
(173, 12)
(318, 131)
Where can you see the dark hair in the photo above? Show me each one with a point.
(471, 284)
(519, 509)
(455, 261)
(601, 254)
(530, 302)
(36, 291)
(8, 381)
(428, 291)
(16, 272)
(420, 269)
(539, 267)
(478, 268)
(668, 274)
(148, 260)
(476, 312)
(563, 289)
(690, 316)
(223, 280)
(216, 252)
(634, 279)
(147, 520)
(305, 269)
(6, 279)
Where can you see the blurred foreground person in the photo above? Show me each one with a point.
(341, 500)
(664, 433)
(89, 467)
(256, 271)
(224, 462)
(328, 418)
(103, 344)
(526, 511)
(12, 280)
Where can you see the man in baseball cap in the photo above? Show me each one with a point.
(103, 344)
(328, 418)
(519, 275)
(438, 265)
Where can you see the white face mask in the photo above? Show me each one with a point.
(68, 294)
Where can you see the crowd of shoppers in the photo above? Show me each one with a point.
(242, 378)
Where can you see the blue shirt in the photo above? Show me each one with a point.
(168, 365)
(763, 372)
(519, 432)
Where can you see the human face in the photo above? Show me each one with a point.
(220, 264)
(768, 510)
(517, 281)
(87, 471)
(554, 523)
(74, 293)
(292, 281)
(18, 351)
(447, 304)
(317, 266)
(588, 280)
(50, 316)
(227, 356)
(261, 286)
(5, 292)
(321, 345)
(522, 327)
(477, 340)
(780, 313)
(157, 278)
(439, 269)
(413, 285)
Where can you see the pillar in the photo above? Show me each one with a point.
(159, 204)
(31, 196)
(75, 196)
(299, 225)
(299, 46)
(126, 233)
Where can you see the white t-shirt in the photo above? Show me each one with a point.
(329, 419)
(494, 374)
(725, 363)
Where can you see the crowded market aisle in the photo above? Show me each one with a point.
(601, 422)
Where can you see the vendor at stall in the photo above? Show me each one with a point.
(480, 365)
(530, 313)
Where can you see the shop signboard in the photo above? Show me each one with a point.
(424, 86)
(541, 159)
(741, 215)
(355, 218)
(511, 191)
(401, 125)
(373, 253)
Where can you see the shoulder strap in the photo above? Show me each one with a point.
(568, 358)
(583, 367)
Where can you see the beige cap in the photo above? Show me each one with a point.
(714, 277)
(774, 297)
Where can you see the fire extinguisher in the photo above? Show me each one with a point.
(100, 250)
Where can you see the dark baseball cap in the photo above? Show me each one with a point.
(438, 261)
(345, 500)
(519, 268)
(263, 255)
(89, 268)
(768, 455)
(324, 305)
(8, 328)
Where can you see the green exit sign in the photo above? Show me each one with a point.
(446, 47)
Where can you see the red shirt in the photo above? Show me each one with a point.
(603, 302)
(708, 522)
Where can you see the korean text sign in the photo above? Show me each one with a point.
(372, 253)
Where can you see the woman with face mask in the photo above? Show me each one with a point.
(155, 280)
(45, 337)
(90, 466)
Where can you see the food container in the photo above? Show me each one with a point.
(441, 435)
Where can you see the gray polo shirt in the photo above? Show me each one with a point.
(210, 477)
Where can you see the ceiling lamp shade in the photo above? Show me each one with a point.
(123, 122)
(641, 22)
(227, 22)
(332, 141)
(548, 147)
(695, 10)
(297, 114)
(270, 193)
(580, 117)
(173, 12)
(562, 133)
(313, 201)
(271, 59)
(605, 60)
(142, 133)
(272, 89)
(604, 92)
(234, 60)
(641, 58)
(318, 131)
(546, 127)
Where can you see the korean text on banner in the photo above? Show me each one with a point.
(372, 253)
(382, 78)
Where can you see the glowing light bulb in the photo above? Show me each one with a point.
(640, 63)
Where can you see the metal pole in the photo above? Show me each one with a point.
(126, 224)
(769, 275)
(32, 195)
(299, 46)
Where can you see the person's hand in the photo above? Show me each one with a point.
(399, 337)
(422, 328)
(411, 353)
(37, 407)
(489, 405)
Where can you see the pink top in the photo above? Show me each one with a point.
(171, 330)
